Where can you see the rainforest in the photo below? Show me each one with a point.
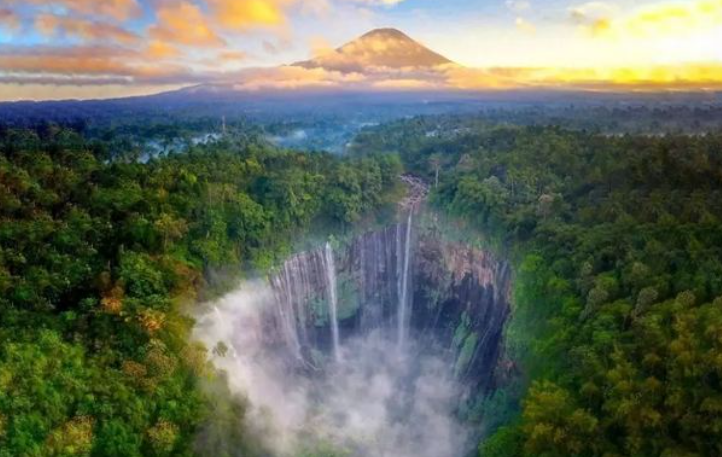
(360, 228)
(449, 285)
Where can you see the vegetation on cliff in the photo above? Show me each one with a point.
(617, 321)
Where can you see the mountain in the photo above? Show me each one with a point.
(382, 59)
(381, 48)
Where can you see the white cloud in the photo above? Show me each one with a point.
(518, 5)
(525, 26)
(593, 11)
(378, 2)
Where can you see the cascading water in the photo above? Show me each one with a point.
(332, 300)
(403, 318)
(285, 310)
(383, 289)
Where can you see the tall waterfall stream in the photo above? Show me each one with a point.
(342, 347)
(333, 301)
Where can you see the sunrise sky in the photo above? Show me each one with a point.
(106, 48)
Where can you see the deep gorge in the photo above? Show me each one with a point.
(369, 345)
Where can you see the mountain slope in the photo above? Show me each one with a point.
(385, 48)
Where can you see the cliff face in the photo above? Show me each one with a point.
(405, 281)
(461, 297)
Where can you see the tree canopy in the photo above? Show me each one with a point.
(98, 254)
(618, 293)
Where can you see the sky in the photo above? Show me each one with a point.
(55, 49)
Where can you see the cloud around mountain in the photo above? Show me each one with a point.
(389, 60)
(380, 48)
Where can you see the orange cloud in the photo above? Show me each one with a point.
(320, 47)
(241, 15)
(224, 61)
(120, 10)
(106, 66)
(85, 64)
(233, 56)
(485, 78)
(184, 23)
(64, 64)
(48, 90)
(289, 78)
(161, 50)
(50, 24)
(406, 84)
(8, 19)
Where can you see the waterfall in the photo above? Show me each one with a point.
(376, 275)
(286, 315)
(403, 317)
(290, 286)
(332, 300)
(409, 362)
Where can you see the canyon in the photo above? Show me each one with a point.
(372, 344)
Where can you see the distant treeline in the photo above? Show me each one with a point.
(617, 240)
(611, 113)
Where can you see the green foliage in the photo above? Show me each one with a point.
(96, 257)
(40, 384)
(506, 442)
(616, 241)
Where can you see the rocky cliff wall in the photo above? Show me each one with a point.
(457, 297)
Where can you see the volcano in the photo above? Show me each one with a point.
(383, 58)
(381, 48)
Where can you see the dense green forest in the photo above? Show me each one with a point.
(101, 258)
(617, 245)
(616, 333)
